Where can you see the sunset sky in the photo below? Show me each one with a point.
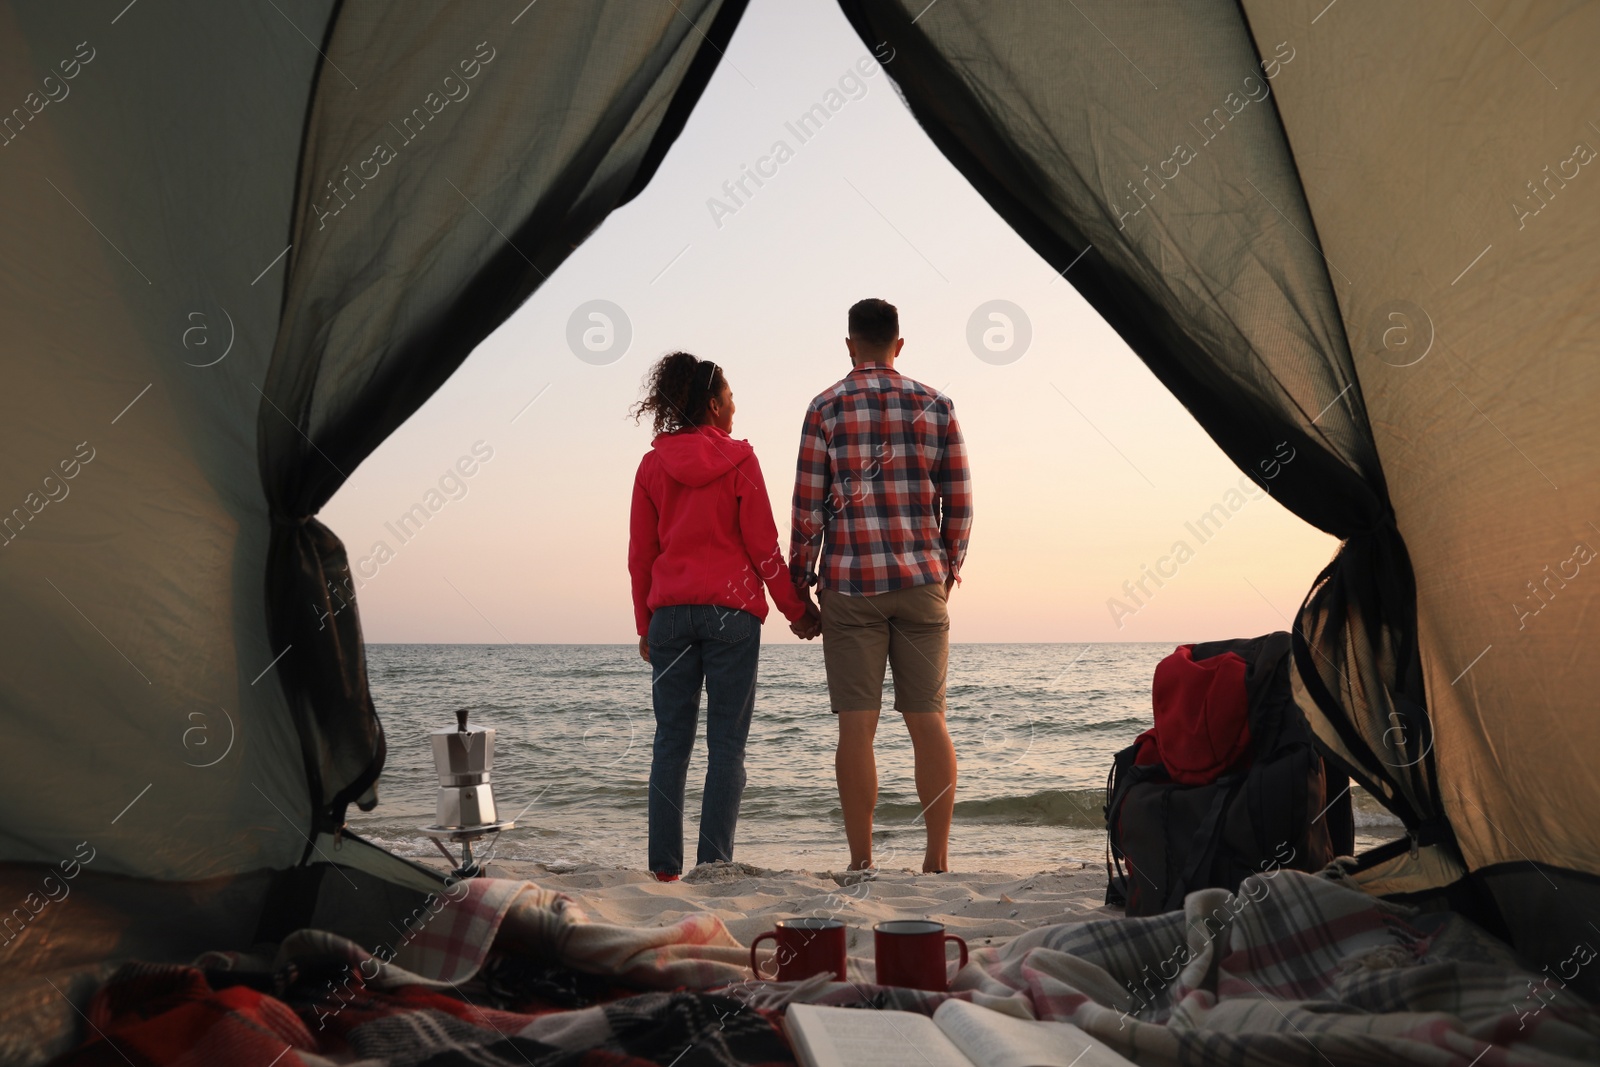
(1086, 471)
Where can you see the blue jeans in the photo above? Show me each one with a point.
(691, 643)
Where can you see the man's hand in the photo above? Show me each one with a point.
(808, 625)
(949, 584)
(644, 649)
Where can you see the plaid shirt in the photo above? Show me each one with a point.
(883, 473)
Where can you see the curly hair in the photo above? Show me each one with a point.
(678, 392)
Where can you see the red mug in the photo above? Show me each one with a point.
(910, 953)
(806, 947)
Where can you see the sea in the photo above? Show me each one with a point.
(1035, 728)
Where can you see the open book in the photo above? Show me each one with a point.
(958, 1035)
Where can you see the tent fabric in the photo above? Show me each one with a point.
(243, 244)
(204, 336)
(148, 179)
(1162, 186)
(453, 158)
(1282, 209)
(208, 374)
(1483, 246)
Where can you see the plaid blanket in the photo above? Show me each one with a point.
(498, 972)
(1293, 969)
(149, 1015)
(451, 942)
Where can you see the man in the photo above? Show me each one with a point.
(883, 495)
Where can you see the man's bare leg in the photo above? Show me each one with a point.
(935, 756)
(857, 772)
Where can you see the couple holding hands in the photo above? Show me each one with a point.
(882, 513)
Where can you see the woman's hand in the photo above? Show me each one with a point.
(809, 625)
(644, 649)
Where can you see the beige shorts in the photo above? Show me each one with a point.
(909, 629)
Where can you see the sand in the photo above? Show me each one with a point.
(985, 908)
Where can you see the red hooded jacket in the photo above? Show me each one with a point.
(701, 531)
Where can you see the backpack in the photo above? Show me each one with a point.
(1247, 793)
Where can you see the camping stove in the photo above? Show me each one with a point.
(465, 810)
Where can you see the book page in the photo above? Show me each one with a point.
(846, 1037)
(992, 1039)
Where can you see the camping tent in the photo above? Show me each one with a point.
(243, 244)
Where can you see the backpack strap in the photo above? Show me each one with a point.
(1276, 794)
(1203, 847)
(1116, 879)
(1119, 780)
(1117, 783)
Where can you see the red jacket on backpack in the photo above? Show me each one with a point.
(701, 531)
(1202, 715)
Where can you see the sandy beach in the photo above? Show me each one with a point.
(986, 908)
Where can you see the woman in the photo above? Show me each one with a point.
(701, 544)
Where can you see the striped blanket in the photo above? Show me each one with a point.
(501, 974)
(1292, 970)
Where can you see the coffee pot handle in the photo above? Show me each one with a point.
(461, 719)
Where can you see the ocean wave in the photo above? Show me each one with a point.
(1023, 720)
(1079, 808)
(620, 671)
(1133, 727)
